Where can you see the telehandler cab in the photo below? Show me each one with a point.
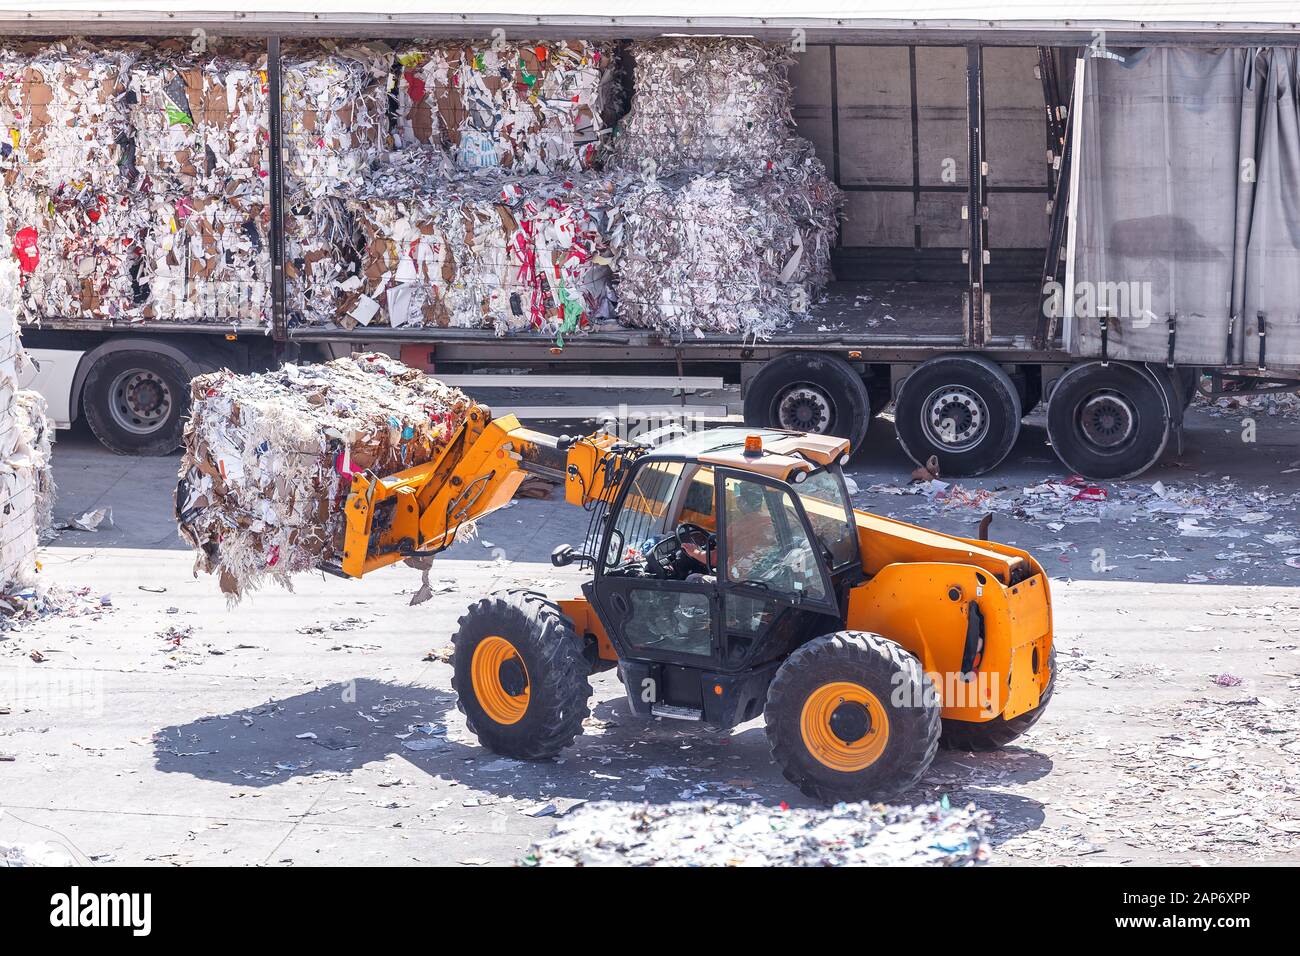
(731, 579)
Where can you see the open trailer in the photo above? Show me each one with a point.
(1011, 232)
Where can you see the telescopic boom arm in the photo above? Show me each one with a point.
(417, 512)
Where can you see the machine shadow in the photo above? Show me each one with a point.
(343, 727)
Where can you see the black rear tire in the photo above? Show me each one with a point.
(907, 703)
(962, 409)
(553, 675)
(810, 392)
(997, 733)
(1108, 421)
(136, 402)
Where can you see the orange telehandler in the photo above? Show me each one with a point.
(731, 578)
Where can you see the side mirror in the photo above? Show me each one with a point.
(564, 555)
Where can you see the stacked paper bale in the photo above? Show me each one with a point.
(269, 459)
(26, 484)
(731, 225)
(536, 107)
(199, 122)
(69, 217)
(508, 253)
(206, 258)
(335, 116)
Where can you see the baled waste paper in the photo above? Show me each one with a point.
(717, 252)
(729, 223)
(538, 107)
(269, 458)
(706, 102)
(506, 253)
(335, 114)
(707, 833)
(199, 121)
(26, 482)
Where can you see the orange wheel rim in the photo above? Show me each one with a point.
(844, 726)
(500, 680)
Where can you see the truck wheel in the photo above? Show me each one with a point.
(1108, 421)
(809, 392)
(962, 409)
(997, 733)
(136, 402)
(851, 716)
(520, 675)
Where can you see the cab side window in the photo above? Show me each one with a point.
(641, 519)
(766, 544)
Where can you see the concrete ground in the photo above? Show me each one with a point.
(315, 727)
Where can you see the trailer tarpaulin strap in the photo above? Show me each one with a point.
(1189, 205)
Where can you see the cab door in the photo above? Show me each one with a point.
(652, 618)
(773, 580)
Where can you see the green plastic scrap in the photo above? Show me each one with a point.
(178, 116)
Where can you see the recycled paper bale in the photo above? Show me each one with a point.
(79, 250)
(26, 484)
(199, 122)
(335, 114)
(525, 253)
(321, 268)
(527, 107)
(15, 105)
(705, 101)
(712, 252)
(78, 129)
(206, 259)
(269, 458)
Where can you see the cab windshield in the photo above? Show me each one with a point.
(825, 500)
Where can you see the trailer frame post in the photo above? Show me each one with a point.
(275, 171)
(977, 319)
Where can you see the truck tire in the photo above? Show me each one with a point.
(136, 402)
(963, 410)
(520, 675)
(852, 716)
(1108, 421)
(997, 733)
(810, 392)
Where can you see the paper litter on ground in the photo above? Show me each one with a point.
(706, 833)
(269, 458)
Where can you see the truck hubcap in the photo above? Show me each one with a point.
(804, 408)
(1107, 419)
(500, 680)
(844, 726)
(955, 417)
(139, 401)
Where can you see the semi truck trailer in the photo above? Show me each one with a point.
(973, 155)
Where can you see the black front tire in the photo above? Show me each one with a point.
(890, 674)
(136, 402)
(810, 392)
(555, 672)
(962, 409)
(997, 733)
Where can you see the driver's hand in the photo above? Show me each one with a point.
(702, 555)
